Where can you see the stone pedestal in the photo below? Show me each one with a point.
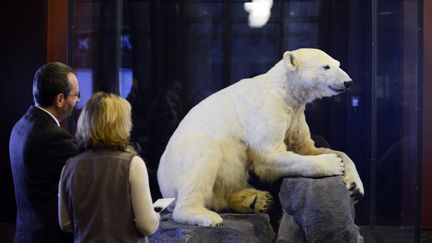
(317, 210)
(235, 228)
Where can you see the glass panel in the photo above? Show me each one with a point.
(253, 51)
(83, 47)
(396, 96)
(166, 56)
(203, 51)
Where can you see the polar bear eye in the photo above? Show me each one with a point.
(326, 67)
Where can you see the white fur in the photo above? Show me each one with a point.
(255, 124)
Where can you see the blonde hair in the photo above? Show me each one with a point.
(105, 123)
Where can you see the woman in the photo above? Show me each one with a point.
(104, 193)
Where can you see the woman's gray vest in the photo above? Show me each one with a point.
(97, 194)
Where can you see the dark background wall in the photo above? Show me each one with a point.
(22, 51)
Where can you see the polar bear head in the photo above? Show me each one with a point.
(315, 74)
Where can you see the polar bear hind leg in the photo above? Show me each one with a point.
(250, 200)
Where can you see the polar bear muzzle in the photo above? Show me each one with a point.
(347, 86)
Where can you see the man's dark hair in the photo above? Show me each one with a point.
(49, 81)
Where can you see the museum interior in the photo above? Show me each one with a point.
(166, 56)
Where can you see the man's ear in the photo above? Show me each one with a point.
(59, 100)
(290, 60)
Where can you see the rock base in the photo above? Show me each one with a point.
(235, 228)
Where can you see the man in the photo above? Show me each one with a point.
(38, 149)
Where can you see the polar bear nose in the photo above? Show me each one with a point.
(348, 84)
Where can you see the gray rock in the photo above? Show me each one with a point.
(317, 210)
(235, 228)
(289, 231)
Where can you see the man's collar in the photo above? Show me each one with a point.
(55, 119)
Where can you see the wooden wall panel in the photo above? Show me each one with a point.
(57, 30)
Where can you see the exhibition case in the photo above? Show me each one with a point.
(166, 56)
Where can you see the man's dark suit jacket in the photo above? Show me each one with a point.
(38, 150)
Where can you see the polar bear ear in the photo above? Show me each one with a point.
(290, 60)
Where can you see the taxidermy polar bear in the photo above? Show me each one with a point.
(255, 124)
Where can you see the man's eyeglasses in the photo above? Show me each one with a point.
(78, 94)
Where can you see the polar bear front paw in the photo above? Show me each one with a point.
(354, 191)
(354, 186)
(326, 165)
(197, 216)
(250, 200)
(210, 219)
